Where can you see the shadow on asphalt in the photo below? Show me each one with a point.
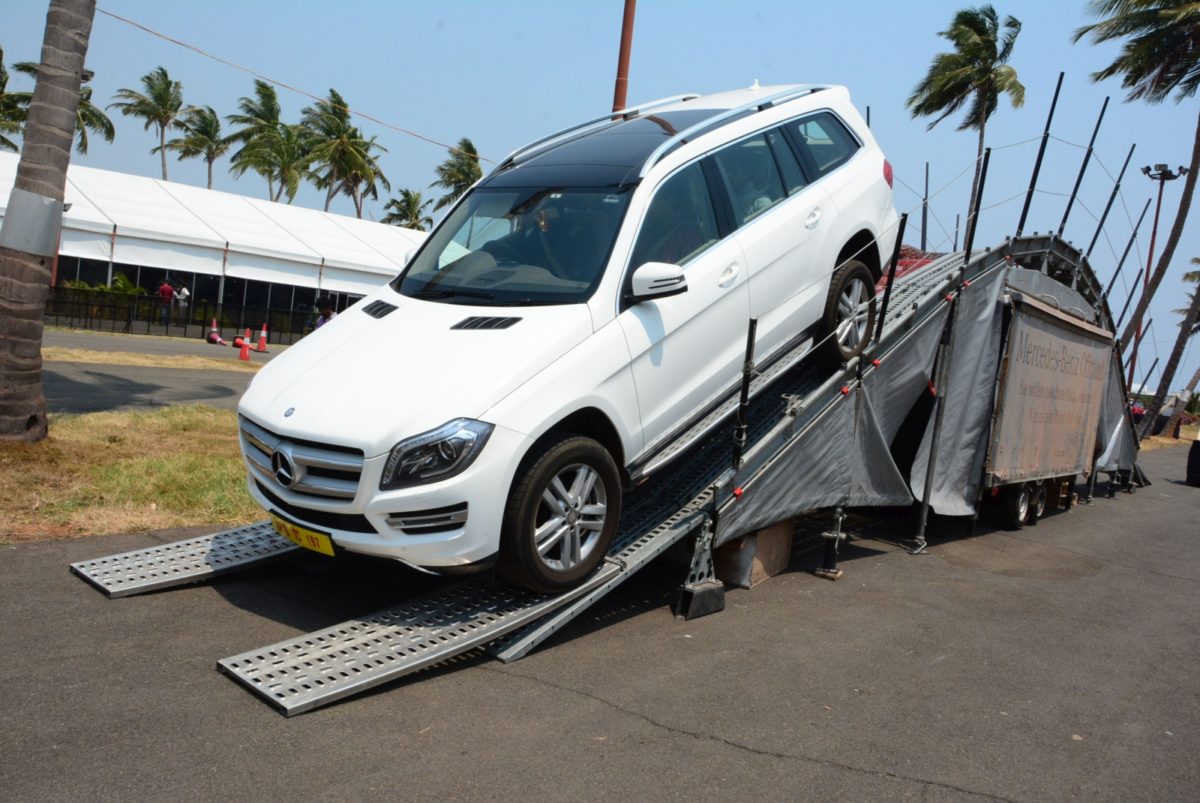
(73, 388)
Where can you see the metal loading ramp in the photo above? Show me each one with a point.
(698, 492)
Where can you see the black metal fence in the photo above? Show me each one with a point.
(148, 315)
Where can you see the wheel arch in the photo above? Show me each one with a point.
(590, 422)
(863, 247)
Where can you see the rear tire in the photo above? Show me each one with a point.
(847, 328)
(562, 513)
(1016, 503)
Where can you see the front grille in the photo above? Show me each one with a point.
(318, 518)
(434, 520)
(317, 469)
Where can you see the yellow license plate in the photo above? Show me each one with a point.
(303, 537)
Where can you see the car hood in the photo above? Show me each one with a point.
(369, 382)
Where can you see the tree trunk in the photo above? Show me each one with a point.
(332, 191)
(1168, 374)
(42, 171)
(975, 181)
(162, 147)
(270, 188)
(1173, 421)
(358, 202)
(1168, 252)
(210, 166)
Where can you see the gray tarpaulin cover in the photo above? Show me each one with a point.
(1118, 449)
(969, 390)
(844, 457)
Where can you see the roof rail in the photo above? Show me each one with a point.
(579, 129)
(759, 104)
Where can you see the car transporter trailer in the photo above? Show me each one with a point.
(809, 439)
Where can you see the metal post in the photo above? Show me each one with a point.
(1162, 175)
(739, 433)
(1087, 157)
(868, 117)
(1137, 343)
(891, 275)
(1108, 207)
(833, 538)
(1037, 164)
(1146, 381)
(956, 222)
(973, 221)
(925, 209)
(622, 84)
(939, 388)
(1125, 253)
(1125, 309)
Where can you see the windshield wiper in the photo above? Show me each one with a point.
(448, 292)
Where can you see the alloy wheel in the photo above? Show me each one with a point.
(570, 517)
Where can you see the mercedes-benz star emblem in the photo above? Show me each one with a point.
(288, 412)
(285, 472)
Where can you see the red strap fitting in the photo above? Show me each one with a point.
(932, 388)
(876, 362)
(949, 296)
(846, 390)
(738, 492)
(966, 282)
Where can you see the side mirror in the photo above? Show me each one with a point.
(657, 280)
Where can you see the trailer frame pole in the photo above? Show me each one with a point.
(739, 432)
(1108, 207)
(891, 274)
(1125, 253)
(1037, 163)
(1129, 298)
(941, 377)
(973, 221)
(1087, 157)
(925, 209)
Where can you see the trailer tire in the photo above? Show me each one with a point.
(1015, 504)
(561, 516)
(844, 330)
(1037, 502)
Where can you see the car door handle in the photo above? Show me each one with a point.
(814, 217)
(729, 275)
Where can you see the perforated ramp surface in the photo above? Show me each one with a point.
(184, 562)
(316, 669)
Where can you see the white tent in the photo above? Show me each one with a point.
(133, 220)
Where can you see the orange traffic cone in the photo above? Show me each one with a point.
(244, 354)
(262, 341)
(214, 336)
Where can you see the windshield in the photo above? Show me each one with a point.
(516, 246)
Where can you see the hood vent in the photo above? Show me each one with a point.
(377, 309)
(484, 322)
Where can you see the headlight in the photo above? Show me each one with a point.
(434, 455)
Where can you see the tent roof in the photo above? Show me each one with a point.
(163, 224)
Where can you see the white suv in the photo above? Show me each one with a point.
(574, 314)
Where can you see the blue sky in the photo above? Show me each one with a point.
(506, 73)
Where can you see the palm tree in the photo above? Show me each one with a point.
(339, 149)
(88, 117)
(977, 71)
(1191, 277)
(458, 172)
(1187, 328)
(284, 154)
(202, 138)
(363, 183)
(259, 117)
(161, 106)
(11, 115)
(1158, 56)
(41, 171)
(407, 210)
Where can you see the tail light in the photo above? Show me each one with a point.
(887, 172)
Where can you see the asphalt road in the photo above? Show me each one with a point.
(73, 387)
(1057, 662)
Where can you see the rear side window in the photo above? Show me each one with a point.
(680, 222)
(826, 139)
(750, 176)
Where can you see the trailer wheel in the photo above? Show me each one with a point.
(847, 326)
(561, 515)
(1037, 507)
(1015, 502)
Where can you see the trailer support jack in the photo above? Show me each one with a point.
(703, 593)
(829, 569)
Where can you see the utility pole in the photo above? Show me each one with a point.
(622, 85)
(1162, 174)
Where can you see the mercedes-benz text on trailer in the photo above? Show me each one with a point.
(580, 312)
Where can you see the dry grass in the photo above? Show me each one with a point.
(1186, 436)
(121, 472)
(65, 354)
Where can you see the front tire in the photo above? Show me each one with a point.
(849, 321)
(562, 513)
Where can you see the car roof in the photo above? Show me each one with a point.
(612, 154)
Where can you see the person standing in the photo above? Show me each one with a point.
(325, 308)
(167, 294)
(182, 294)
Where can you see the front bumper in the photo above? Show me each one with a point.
(449, 526)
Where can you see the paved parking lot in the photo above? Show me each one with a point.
(1057, 662)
